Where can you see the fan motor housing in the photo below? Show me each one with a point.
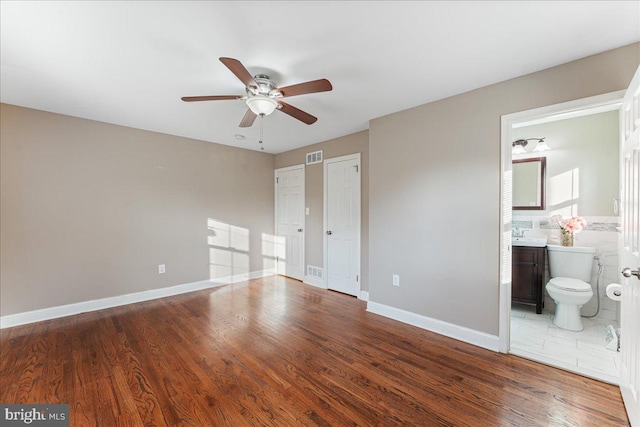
(265, 85)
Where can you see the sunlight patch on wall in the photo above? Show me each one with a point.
(228, 236)
(564, 192)
(220, 263)
(228, 249)
(268, 251)
(281, 247)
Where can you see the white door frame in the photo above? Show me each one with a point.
(608, 101)
(325, 214)
(303, 216)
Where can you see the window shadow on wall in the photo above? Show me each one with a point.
(228, 250)
(564, 193)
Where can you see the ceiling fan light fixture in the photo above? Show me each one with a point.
(262, 105)
(262, 94)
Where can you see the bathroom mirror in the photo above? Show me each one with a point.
(529, 176)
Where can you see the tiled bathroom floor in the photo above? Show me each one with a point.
(534, 336)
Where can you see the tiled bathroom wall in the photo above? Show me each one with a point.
(601, 233)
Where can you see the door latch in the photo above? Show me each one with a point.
(627, 272)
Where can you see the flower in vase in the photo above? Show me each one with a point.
(568, 227)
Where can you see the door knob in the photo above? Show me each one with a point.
(627, 272)
(329, 233)
(299, 230)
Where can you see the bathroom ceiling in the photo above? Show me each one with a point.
(129, 63)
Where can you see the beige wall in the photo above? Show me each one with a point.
(435, 189)
(582, 166)
(350, 144)
(89, 209)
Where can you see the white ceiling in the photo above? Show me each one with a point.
(129, 63)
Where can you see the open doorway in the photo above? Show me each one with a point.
(527, 330)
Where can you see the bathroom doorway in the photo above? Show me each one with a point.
(575, 179)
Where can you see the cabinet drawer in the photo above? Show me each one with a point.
(525, 256)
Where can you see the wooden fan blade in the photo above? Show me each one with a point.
(297, 113)
(322, 85)
(210, 98)
(240, 71)
(248, 119)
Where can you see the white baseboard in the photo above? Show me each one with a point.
(102, 303)
(460, 333)
(314, 281)
(364, 296)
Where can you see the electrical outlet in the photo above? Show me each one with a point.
(396, 280)
(161, 269)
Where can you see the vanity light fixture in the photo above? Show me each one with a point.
(518, 145)
(541, 146)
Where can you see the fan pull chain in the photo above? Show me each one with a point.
(261, 131)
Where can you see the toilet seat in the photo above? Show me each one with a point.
(569, 284)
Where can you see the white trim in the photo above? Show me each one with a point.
(597, 108)
(460, 333)
(565, 109)
(364, 295)
(314, 281)
(304, 216)
(547, 113)
(325, 213)
(290, 168)
(504, 322)
(17, 319)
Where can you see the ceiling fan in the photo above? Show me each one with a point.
(264, 97)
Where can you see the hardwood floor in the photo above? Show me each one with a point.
(277, 352)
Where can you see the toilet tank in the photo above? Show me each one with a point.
(575, 261)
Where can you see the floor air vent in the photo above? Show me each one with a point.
(314, 271)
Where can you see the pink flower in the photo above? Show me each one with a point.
(556, 219)
(575, 224)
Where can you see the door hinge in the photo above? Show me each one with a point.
(356, 166)
(277, 180)
(357, 278)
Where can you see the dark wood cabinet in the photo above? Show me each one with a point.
(527, 276)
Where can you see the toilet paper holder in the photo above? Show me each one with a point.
(614, 291)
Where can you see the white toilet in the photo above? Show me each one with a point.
(570, 271)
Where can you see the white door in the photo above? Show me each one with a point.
(290, 221)
(630, 251)
(342, 223)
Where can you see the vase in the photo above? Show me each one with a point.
(566, 238)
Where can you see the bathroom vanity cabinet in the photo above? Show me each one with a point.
(527, 276)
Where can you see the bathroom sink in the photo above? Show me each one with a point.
(538, 242)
